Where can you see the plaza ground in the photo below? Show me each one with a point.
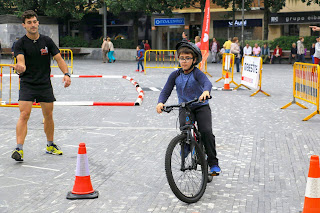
(264, 151)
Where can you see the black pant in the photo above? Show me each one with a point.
(274, 59)
(202, 115)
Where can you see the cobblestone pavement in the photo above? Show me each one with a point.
(264, 151)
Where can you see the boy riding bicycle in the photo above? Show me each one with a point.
(190, 82)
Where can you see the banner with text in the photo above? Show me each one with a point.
(251, 71)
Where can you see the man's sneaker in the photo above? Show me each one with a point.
(214, 170)
(137, 70)
(54, 149)
(142, 70)
(17, 154)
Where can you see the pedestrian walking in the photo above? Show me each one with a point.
(317, 52)
(104, 49)
(235, 49)
(140, 58)
(312, 51)
(300, 50)
(33, 66)
(227, 45)
(112, 59)
(215, 47)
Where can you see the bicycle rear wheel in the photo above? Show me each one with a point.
(188, 182)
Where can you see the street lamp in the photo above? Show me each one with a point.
(242, 27)
(104, 19)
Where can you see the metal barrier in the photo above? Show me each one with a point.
(227, 67)
(163, 59)
(306, 80)
(67, 56)
(11, 71)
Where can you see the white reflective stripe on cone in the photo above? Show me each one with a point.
(313, 188)
(82, 165)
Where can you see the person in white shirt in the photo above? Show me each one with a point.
(316, 55)
(247, 50)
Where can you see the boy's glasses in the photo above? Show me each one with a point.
(181, 59)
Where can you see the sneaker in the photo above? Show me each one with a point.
(214, 170)
(141, 71)
(137, 70)
(54, 149)
(17, 154)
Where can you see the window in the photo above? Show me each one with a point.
(290, 30)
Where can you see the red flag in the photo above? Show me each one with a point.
(205, 35)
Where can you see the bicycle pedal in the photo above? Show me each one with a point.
(215, 174)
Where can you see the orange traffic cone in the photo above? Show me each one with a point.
(226, 82)
(312, 196)
(82, 188)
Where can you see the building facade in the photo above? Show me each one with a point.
(166, 31)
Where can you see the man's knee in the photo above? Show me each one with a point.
(24, 116)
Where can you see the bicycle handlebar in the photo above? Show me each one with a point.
(183, 105)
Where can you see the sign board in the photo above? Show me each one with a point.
(294, 18)
(168, 21)
(251, 71)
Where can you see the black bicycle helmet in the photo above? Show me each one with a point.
(193, 47)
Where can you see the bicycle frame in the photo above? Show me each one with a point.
(193, 135)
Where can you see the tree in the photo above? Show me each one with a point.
(134, 9)
(59, 9)
(6, 7)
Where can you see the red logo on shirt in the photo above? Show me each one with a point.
(44, 51)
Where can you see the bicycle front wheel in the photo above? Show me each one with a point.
(187, 177)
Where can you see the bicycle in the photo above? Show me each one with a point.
(185, 156)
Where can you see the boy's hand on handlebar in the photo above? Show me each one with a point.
(160, 107)
(204, 96)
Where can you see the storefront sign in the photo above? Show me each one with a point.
(238, 23)
(294, 18)
(168, 21)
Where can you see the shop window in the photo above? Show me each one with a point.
(290, 30)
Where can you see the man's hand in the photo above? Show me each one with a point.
(204, 96)
(315, 28)
(160, 107)
(66, 80)
(19, 68)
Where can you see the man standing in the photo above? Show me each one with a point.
(33, 66)
(227, 45)
(300, 50)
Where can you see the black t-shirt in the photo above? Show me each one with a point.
(37, 59)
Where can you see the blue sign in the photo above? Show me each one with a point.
(168, 21)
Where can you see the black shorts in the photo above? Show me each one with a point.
(36, 95)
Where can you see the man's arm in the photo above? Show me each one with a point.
(64, 68)
(20, 67)
(315, 28)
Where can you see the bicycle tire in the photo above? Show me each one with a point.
(183, 195)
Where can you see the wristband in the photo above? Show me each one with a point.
(68, 74)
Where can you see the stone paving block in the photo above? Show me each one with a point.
(263, 151)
